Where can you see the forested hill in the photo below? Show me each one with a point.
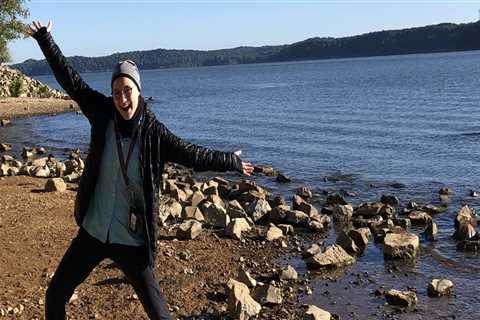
(435, 38)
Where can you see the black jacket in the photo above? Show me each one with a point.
(158, 144)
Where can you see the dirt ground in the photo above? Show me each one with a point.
(36, 228)
(24, 107)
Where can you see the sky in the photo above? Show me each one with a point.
(96, 28)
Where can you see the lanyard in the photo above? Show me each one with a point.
(121, 158)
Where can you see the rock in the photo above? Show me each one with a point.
(288, 273)
(235, 210)
(171, 208)
(178, 194)
(403, 299)
(304, 192)
(431, 231)
(4, 169)
(279, 214)
(317, 226)
(281, 178)
(333, 257)
(360, 237)
(465, 215)
(5, 147)
(305, 207)
(335, 199)
(245, 277)
(277, 201)
(5, 122)
(371, 223)
(445, 191)
(268, 295)
(287, 229)
(274, 233)
(473, 193)
(400, 246)
(258, 209)
(240, 304)
(402, 222)
(465, 231)
(13, 171)
(236, 227)
(342, 212)
(469, 245)
(215, 200)
(192, 213)
(55, 185)
(72, 177)
(216, 216)
(41, 172)
(369, 209)
(315, 313)
(265, 170)
(297, 218)
(189, 230)
(440, 287)
(347, 243)
(419, 218)
(390, 200)
(313, 250)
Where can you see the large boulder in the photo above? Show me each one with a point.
(440, 287)
(333, 257)
(240, 304)
(400, 246)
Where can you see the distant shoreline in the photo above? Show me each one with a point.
(11, 108)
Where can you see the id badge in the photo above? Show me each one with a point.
(132, 220)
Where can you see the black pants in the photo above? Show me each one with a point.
(86, 252)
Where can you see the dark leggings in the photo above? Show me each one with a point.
(83, 255)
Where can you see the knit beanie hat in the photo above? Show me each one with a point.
(129, 69)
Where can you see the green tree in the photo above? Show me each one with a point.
(11, 25)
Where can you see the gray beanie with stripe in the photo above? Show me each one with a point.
(129, 69)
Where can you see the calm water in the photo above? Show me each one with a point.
(412, 120)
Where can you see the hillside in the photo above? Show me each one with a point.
(434, 38)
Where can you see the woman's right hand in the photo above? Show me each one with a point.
(37, 25)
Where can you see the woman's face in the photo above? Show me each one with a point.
(125, 97)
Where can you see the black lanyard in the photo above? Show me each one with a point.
(123, 163)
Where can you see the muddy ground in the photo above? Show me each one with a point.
(25, 107)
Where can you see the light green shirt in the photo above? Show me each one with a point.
(107, 215)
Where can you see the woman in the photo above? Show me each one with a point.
(118, 195)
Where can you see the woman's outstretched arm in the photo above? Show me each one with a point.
(91, 102)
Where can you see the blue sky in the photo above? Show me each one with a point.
(96, 28)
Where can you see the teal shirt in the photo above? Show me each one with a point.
(107, 215)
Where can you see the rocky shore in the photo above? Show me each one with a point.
(22, 96)
(224, 244)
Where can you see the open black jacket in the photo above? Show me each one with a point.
(158, 144)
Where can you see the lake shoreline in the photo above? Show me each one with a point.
(11, 108)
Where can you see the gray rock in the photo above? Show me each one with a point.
(55, 185)
(236, 227)
(189, 230)
(315, 313)
(403, 299)
(333, 257)
(400, 246)
(268, 295)
(258, 209)
(274, 233)
(440, 287)
(289, 273)
(245, 277)
(342, 212)
(419, 218)
(347, 243)
(240, 304)
(216, 215)
(431, 231)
